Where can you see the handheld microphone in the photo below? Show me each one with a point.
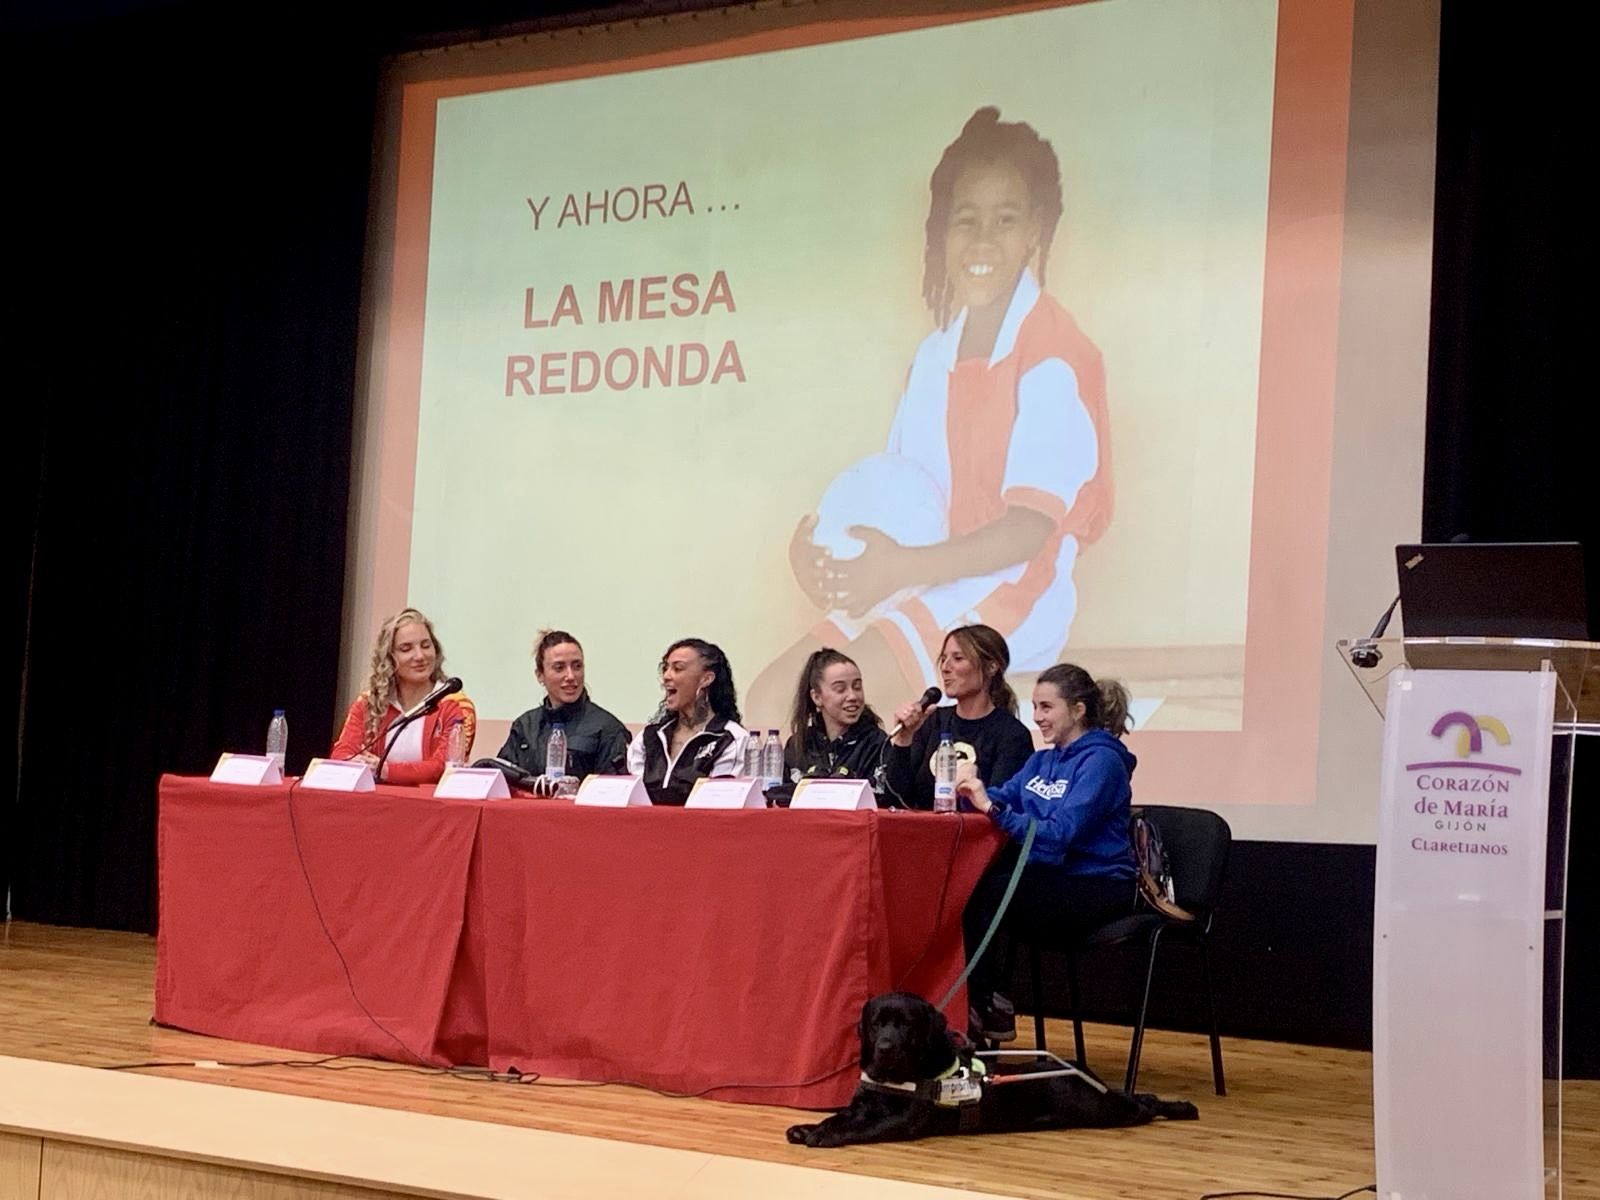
(929, 699)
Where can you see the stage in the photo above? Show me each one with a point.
(1297, 1119)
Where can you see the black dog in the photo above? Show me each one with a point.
(917, 1082)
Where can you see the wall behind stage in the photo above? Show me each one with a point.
(168, 549)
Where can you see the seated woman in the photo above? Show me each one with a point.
(407, 661)
(696, 733)
(597, 743)
(833, 733)
(1080, 872)
(988, 739)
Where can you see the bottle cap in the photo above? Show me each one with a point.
(277, 712)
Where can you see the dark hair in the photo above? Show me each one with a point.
(988, 649)
(986, 140)
(548, 640)
(721, 695)
(1105, 703)
(804, 714)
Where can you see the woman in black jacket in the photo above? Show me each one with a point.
(833, 732)
(597, 743)
(696, 733)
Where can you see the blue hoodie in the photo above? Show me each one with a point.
(1080, 796)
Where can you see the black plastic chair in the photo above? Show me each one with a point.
(1197, 843)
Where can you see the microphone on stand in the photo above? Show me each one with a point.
(1364, 653)
(430, 702)
(421, 708)
(929, 699)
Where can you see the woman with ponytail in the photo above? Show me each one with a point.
(695, 734)
(1080, 872)
(597, 743)
(833, 732)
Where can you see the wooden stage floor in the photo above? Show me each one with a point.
(1296, 1119)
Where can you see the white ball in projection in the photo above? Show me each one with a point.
(885, 491)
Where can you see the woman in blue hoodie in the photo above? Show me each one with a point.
(1080, 872)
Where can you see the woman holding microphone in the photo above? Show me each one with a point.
(984, 732)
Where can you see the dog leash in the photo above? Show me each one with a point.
(1005, 903)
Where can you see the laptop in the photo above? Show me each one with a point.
(1493, 589)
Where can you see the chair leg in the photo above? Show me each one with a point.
(1137, 1048)
(1077, 1010)
(1216, 1038)
(1038, 997)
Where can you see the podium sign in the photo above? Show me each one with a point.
(1458, 946)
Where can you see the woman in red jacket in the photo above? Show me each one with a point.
(406, 663)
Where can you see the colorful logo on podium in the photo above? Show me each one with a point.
(1469, 741)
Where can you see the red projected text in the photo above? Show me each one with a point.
(647, 298)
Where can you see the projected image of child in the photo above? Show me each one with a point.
(997, 469)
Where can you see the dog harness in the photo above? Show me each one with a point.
(959, 1086)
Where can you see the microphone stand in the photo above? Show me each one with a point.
(1365, 653)
(393, 734)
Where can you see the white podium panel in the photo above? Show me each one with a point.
(1458, 947)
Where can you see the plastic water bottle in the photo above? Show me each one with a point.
(454, 751)
(944, 776)
(278, 737)
(752, 756)
(772, 761)
(555, 753)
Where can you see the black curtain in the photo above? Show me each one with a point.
(1513, 433)
(184, 325)
(191, 251)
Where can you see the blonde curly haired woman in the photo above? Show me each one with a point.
(407, 661)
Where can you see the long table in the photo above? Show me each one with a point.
(695, 951)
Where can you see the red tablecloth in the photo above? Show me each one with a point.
(693, 951)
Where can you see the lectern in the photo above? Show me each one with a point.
(1470, 910)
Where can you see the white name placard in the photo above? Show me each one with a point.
(613, 791)
(833, 793)
(741, 792)
(247, 770)
(338, 775)
(472, 783)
